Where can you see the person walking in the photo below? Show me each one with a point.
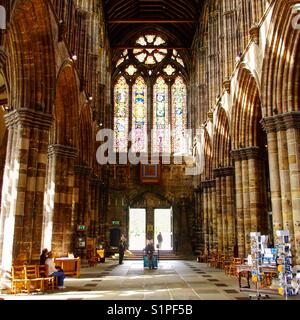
(160, 240)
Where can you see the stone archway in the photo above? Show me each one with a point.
(280, 97)
(30, 68)
(3, 130)
(58, 220)
(224, 175)
(250, 158)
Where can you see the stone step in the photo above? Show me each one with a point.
(163, 255)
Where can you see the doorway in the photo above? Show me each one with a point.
(137, 229)
(163, 222)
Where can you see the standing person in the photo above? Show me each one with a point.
(43, 256)
(160, 239)
(52, 270)
(121, 251)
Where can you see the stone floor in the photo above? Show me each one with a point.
(173, 280)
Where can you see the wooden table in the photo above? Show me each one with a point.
(71, 266)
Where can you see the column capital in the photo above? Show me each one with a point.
(96, 182)
(247, 153)
(62, 151)
(83, 170)
(281, 122)
(223, 172)
(254, 33)
(29, 118)
(208, 184)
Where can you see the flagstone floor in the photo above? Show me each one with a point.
(173, 280)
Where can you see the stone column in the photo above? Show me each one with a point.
(292, 123)
(82, 192)
(239, 203)
(58, 222)
(210, 222)
(224, 214)
(224, 177)
(257, 190)
(246, 204)
(284, 173)
(273, 155)
(285, 184)
(219, 213)
(205, 219)
(214, 218)
(23, 186)
(230, 210)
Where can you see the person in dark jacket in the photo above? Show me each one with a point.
(43, 256)
(149, 252)
(121, 251)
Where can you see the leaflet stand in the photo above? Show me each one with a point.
(258, 243)
(284, 262)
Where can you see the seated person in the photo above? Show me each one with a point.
(150, 251)
(52, 270)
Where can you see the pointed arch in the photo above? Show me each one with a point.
(66, 108)
(208, 154)
(222, 140)
(281, 68)
(246, 113)
(31, 59)
(86, 140)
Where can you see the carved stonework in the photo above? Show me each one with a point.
(247, 153)
(254, 34)
(224, 172)
(62, 151)
(210, 116)
(29, 119)
(227, 85)
(281, 122)
(208, 184)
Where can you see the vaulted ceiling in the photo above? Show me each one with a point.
(176, 19)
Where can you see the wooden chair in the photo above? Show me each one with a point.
(18, 281)
(232, 267)
(34, 283)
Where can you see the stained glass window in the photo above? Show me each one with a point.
(179, 114)
(169, 70)
(161, 130)
(121, 101)
(131, 70)
(151, 58)
(177, 57)
(139, 116)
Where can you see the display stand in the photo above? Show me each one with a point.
(258, 244)
(284, 262)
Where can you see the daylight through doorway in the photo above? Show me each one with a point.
(163, 222)
(137, 229)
